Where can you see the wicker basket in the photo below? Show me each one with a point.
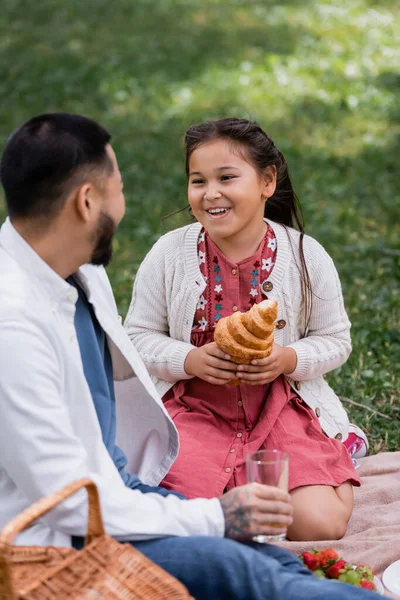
(104, 569)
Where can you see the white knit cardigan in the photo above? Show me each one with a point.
(169, 284)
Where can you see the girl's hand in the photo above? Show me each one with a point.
(264, 370)
(211, 364)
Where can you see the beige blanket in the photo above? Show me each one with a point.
(373, 534)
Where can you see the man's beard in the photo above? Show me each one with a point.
(102, 252)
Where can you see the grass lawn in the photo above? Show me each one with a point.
(320, 77)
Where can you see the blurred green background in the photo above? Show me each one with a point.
(321, 78)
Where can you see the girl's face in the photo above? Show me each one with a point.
(226, 193)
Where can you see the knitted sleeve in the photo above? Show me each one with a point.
(147, 322)
(327, 344)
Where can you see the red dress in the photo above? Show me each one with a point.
(219, 425)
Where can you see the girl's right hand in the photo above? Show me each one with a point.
(211, 364)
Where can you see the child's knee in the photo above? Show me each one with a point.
(319, 527)
(325, 518)
(331, 528)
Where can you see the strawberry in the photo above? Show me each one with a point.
(367, 584)
(336, 569)
(327, 563)
(310, 560)
(327, 557)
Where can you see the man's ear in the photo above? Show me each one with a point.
(269, 178)
(85, 204)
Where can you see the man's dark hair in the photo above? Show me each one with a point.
(46, 158)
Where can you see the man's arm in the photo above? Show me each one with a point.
(38, 447)
(41, 453)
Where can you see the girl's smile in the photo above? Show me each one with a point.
(218, 213)
(227, 194)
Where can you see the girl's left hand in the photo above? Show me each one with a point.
(264, 370)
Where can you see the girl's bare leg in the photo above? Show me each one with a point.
(321, 512)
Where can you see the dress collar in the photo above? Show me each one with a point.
(286, 238)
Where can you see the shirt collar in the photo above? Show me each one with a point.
(29, 261)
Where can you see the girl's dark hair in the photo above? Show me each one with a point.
(253, 143)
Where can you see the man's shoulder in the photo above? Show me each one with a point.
(22, 300)
(16, 294)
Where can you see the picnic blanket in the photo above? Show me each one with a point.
(373, 534)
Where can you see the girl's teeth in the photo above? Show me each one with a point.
(215, 211)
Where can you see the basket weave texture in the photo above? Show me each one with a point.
(103, 570)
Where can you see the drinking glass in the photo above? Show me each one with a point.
(269, 467)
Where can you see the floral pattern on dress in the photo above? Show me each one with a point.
(214, 267)
(267, 264)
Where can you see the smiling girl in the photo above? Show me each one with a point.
(246, 245)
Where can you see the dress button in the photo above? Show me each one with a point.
(234, 271)
(240, 403)
(339, 437)
(232, 450)
(227, 470)
(239, 435)
(318, 412)
(281, 324)
(234, 308)
(267, 286)
(297, 385)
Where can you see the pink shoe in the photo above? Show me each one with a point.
(357, 442)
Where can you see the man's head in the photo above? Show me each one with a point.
(60, 168)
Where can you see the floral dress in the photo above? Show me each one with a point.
(219, 425)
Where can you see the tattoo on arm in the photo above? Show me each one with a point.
(237, 513)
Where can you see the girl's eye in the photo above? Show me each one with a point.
(227, 177)
(197, 181)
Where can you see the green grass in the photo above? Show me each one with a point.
(320, 77)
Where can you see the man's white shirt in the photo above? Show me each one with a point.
(49, 432)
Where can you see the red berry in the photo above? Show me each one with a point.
(336, 569)
(367, 584)
(310, 560)
(327, 556)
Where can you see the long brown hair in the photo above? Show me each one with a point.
(283, 206)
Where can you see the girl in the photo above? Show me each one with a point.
(242, 249)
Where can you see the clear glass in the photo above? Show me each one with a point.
(269, 467)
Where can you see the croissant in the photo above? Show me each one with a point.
(248, 336)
